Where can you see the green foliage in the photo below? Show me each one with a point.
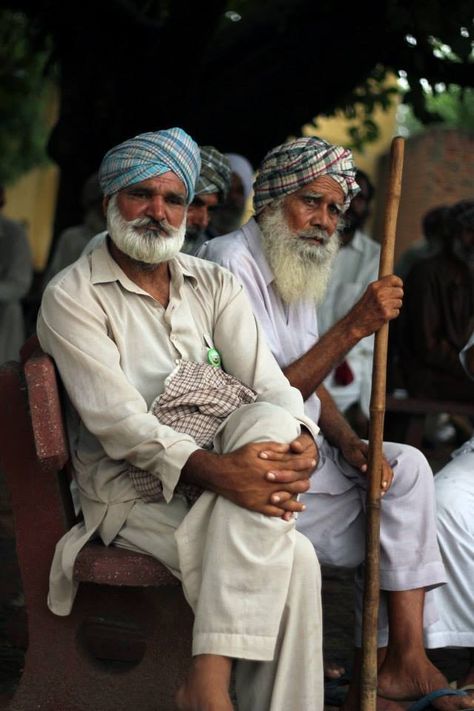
(23, 96)
(256, 70)
(455, 106)
(360, 104)
(452, 106)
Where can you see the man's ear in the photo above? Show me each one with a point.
(105, 203)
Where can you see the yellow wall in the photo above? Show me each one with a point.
(32, 199)
(334, 130)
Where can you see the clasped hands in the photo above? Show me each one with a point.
(261, 476)
(267, 477)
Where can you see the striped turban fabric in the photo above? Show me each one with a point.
(149, 155)
(289, 167)
(215, 172)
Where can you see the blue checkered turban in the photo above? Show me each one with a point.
(289, 167)
(148, 155)
(215, 172)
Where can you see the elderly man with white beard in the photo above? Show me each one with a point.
(120, 323)
(283, 258)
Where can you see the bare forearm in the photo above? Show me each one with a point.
(333, 424)
(203, 469)
(308, 372)
(380, 303)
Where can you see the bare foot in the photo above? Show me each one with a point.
(207, 685)
(407, 679)
(333, 671)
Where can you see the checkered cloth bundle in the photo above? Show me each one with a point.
(197, 398)
(289, 167)
(148, 155)
(215, 172)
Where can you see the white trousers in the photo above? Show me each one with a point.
(454, 486)
(334, 521)
(253, 581)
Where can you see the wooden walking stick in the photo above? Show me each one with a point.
(377, 413)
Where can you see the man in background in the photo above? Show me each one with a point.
(212, 188)
(355, 266)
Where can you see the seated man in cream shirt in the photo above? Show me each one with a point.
(117, 322)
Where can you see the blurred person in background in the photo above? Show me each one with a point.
(355, 266)
(16, 274)
(231, 213)
(72, 240)
(212, 189)
(438, 314)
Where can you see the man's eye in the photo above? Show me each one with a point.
(334, 210)
(175, 200)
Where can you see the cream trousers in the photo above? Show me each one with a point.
(253, 581)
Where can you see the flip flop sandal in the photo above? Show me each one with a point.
(425, 701)
(454, 685)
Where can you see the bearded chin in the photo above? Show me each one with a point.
(144, 247)
(301, 270)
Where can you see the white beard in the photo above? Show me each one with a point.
(301, 269)
(147, 247)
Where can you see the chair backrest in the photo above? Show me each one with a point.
(45, 409)
(34, 455)
(132, 615)
(34, 459)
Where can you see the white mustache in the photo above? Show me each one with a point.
(161, 225)
(315, 234)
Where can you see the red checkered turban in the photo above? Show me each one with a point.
(289, 167)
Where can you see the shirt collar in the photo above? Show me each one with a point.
(104, 269)
(253, 234)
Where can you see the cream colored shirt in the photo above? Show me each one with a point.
(114, 345)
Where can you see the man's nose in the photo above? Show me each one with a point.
(320, 218)
(156, 208)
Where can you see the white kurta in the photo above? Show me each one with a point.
(454, 486)
(334, 518)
